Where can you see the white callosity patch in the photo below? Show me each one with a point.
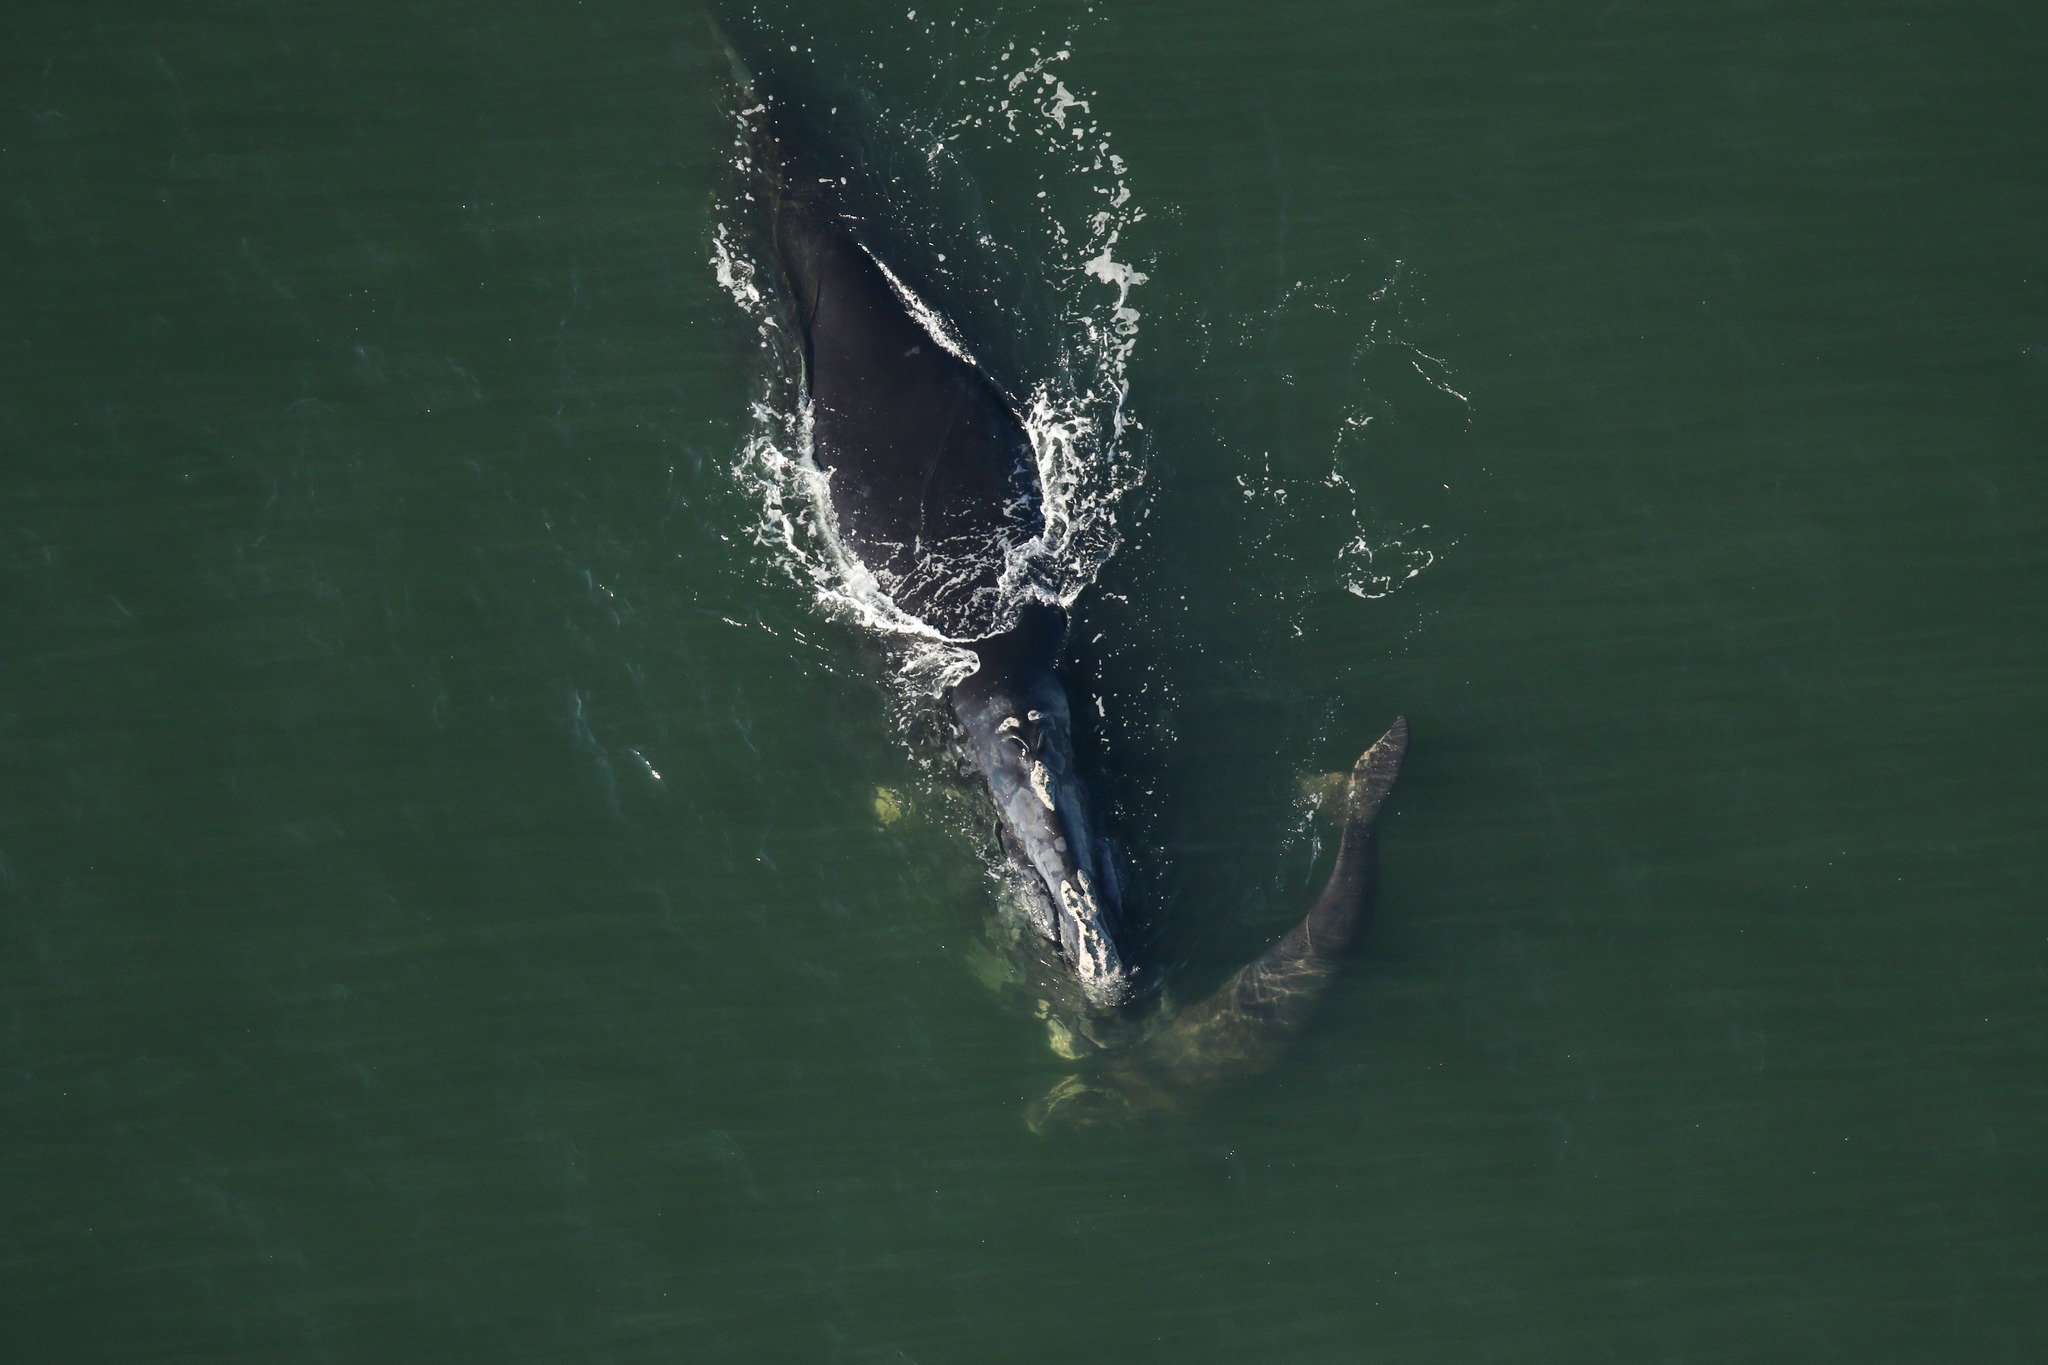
(1074, 417)
(1095, 958)
(1077, 895)
(1041, 783)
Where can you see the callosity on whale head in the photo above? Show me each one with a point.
(1018, 729)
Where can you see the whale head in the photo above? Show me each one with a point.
(1018, 729)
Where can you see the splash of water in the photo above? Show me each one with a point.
(1075, 416)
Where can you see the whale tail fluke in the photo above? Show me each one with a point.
(1244, 1027)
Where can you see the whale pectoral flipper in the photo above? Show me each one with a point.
(1243, 1027)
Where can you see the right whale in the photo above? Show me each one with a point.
(932, 489)
(1242, 1028)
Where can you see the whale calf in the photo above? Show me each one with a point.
(1242, 1028)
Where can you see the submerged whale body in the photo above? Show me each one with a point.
(933, 490)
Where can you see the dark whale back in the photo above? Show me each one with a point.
(932, 479)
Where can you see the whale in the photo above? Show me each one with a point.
(1245, 1025)
(933, 489)
(931, 486)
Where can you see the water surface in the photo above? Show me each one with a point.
(443, 907)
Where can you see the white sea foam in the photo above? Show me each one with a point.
(1075, 416)
(1317, 523)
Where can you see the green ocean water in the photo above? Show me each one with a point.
(444, 913)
